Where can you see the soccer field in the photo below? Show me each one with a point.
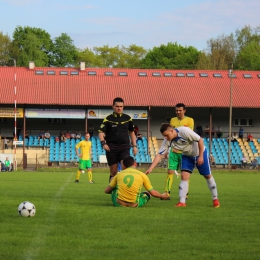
(78, 221)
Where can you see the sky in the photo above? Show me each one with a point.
(146, 23)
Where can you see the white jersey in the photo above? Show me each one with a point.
(186, 142)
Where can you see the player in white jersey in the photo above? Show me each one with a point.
(193, 153)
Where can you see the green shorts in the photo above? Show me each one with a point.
(84, 164)
(142, 200)
(174, 161)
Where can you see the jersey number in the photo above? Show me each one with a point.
(129, 179)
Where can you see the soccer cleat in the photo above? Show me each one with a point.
(76, 181)
(91, 182)
(216, 203)
(180, 204)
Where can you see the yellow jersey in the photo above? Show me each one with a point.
(186, 121)
(129, 183)
(85, 149)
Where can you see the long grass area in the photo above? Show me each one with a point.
(77, 221)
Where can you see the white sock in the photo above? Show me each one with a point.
(183, 189)
(212, 187)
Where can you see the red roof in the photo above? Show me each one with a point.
(136, 90)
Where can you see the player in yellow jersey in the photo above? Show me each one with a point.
(126, 187)
(83, 151)
(174, 160)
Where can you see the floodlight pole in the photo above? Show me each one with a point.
(15, 128)
(230, 113)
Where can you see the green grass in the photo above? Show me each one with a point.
(78, 221)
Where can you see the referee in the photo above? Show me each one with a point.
(114, 135)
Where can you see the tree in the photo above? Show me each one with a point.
(89, 57)
(5, 48)
(171, 56)
(219, 54)
(32, 44)
(64, 52)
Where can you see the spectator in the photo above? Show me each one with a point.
(91, 130)
(206, 131)
(243, 161)
(57, 139)
(234, 138)
(6, 143)
(8, 164)
(219, 132)
(249, 138)
(19, 130)
(136, 130)
(47, 135)
(199, 129)
(241, 133)
(254, 163)
(26, 135)
(63, 138)
(67, 134)
(78, 135)
(213, 132)
(72, 135)
(2, 167)
(41, 135)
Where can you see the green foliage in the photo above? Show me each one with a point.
(5, 48)
(33, 44)
(171, 56)
(64, 53)
(78, 221)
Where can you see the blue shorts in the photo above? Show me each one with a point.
(189, 162)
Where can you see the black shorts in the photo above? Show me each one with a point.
(116, 156)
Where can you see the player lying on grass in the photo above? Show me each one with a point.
(125, 188)
(193, 153)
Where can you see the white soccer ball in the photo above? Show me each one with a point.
(26, 209)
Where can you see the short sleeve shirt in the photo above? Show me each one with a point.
(129, 183)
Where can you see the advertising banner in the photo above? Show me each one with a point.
(102, 113)
(55, 113)
(9, 112)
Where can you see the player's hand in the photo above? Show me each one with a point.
(165, 196)
(106, 147)
(148, 171)
(200, 160)
(135, 150)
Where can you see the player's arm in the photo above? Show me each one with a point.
(108, 189)
(161, 154)
(156, 160)
(157, 194)
(133, 139)
(200, 159)
(101, 136)
(77, 151)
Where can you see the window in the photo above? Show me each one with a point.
(108, 73)
(243, 122)
(258, 75)
(142, 74)
(92, 73)
(205, 75)
(180, 75)
(190, 74)
(233, 75)
(247, 76)
(63, 72)
(122, 74)
(56, 120)
(156, 74)
(39, 72)
(75, 72)
(217, 75)
(167, 74)
(50, 72)
(3, 120)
